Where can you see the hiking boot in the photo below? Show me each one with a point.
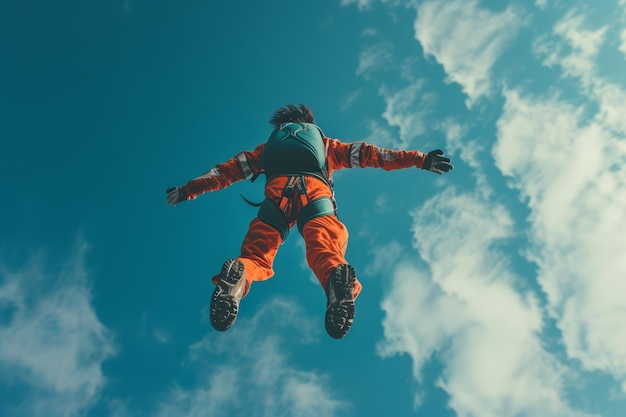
(340, 304)
(230, 286)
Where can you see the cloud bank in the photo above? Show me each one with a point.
(254, 375)
(466, 308)
(574, 180)
(562, 151)
(52, 344)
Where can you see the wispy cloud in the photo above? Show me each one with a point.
(381, 135)
(383, 258)
(361, 4)
(466, 40)
(52, 344)
(574, 47)
(373, 59)
(467, 309)
(571, 171)
(406, 109)
(405, 114)
(471, 151)
(622, 46)
(350, 99)
(254, 375)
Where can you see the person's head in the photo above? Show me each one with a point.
(291, 113)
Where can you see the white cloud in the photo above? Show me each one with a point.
(118, 408)
(254, 375)
(467, 40)
(468, 311)
(350, 99)
(382, 136)
(571, 171)
(51, 341)
(611, 100)
(406, 109)
(374, 58)
(161, 335)
(361, 4)
(213, 395)
(575, 48)
(382, 258)
(370, 32)
(470, 151)
(622, 46)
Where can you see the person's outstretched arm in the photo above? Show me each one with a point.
(241, 167)
(363, 155)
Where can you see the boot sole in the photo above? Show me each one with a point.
(340, 314)
(224, 307)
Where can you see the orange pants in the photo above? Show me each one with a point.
(326, 239)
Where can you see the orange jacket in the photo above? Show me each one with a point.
(339, 155)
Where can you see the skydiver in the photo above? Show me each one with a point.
(298, 161)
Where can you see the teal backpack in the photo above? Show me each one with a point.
(295, 148)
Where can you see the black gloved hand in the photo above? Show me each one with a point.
(436, 163)
(176, 194)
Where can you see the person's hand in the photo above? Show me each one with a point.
(176, 194)
(436, 163)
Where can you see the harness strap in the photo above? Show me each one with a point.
(285, 199)
(304, 197)
(270, 214)
(275, 215)
(294, 182)
(322, 206)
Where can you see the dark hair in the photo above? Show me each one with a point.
(291, 113)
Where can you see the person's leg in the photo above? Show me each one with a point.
(233, 282)
(230, 287)
(326, 240)
(340, 301)
(258, 251)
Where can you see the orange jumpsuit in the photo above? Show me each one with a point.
(325, 237)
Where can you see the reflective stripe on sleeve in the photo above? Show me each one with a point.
(355, 154)
(245, 167)
(213, 172)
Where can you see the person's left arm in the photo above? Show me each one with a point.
(364, 155)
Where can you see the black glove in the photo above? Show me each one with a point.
(436, 163)
(176, 194)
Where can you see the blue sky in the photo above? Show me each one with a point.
(496, 290)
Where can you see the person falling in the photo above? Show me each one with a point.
(298, 161)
